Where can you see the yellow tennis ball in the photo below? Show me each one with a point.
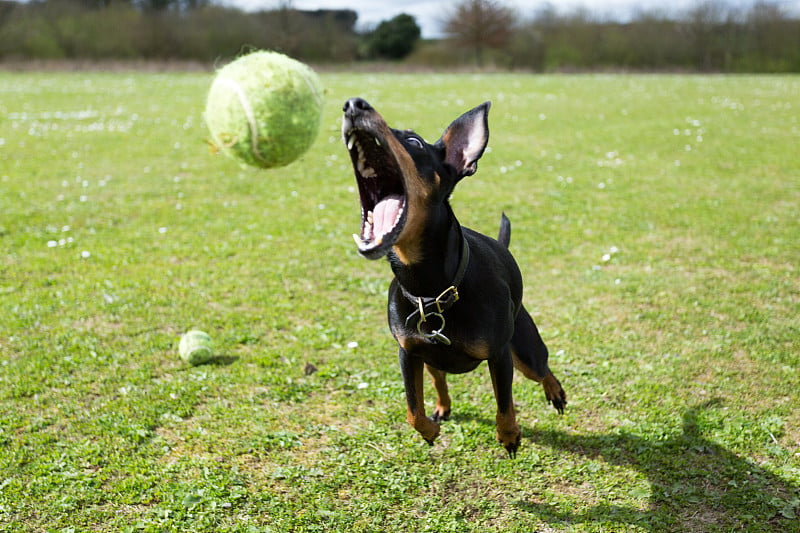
(196, 347)
(264, 109)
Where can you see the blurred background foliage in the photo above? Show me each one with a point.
(708, 36)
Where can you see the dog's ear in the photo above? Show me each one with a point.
(465, 140)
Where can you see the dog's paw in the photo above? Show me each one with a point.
(558, 400)
(512, 446)
(440, 415)
(508, 433)
(555, 393)
(559, 403)
(429, 429)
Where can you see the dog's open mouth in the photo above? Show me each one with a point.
(381, 190)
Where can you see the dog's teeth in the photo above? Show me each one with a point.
(351, 142)
(370, 217)
(377, 141)
(365, 171)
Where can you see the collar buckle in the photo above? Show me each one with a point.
(448, 297)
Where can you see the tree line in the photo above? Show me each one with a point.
(169, 30)
(711, 35)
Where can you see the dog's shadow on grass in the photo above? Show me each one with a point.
(223, 360)
(694, 483)
(218, 360)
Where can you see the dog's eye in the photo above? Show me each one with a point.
(413, 141)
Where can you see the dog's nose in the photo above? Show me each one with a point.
(355, 106)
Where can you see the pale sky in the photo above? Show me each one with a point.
(428, 13)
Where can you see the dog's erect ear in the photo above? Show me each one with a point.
(465, 140)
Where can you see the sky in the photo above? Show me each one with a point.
(429, 13)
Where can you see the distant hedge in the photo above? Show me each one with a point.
(709, 36)
(71, 30)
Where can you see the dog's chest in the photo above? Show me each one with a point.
(456, 358)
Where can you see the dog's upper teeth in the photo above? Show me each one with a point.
(377, 141)
(351, 141)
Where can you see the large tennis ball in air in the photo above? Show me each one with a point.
(264, 109)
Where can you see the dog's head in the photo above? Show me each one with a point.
(402, 179)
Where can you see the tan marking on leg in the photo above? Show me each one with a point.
(508, 432)
(552, 387)
(417, 418)
(554, 392)
(443, 403)
(526, 371)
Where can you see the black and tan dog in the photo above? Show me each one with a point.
(456, 299)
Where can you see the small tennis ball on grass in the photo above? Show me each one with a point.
(264, 109)
(196, 347)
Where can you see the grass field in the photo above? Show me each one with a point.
(656, 222)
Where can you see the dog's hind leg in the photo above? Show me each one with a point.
(530, 358)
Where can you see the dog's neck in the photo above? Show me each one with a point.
(441, 253)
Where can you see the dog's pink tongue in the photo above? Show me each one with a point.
(385, 214)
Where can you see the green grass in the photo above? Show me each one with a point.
(655, 221)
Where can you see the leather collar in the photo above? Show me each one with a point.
(429, 307)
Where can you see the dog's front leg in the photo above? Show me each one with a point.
(501, 368)
(412, 369)
(442, 410)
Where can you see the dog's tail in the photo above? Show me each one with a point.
(504, 237)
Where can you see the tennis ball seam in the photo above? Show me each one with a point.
(311, 86)
(248, 111)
